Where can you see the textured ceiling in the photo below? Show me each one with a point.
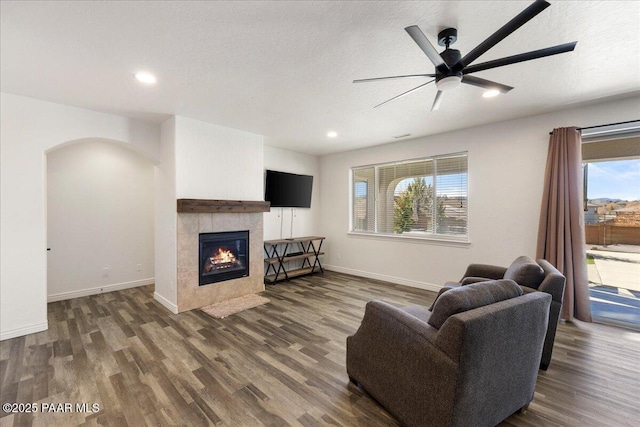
(285, 69)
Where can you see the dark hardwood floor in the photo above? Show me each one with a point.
(282, 363)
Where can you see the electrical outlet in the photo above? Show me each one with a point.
(105, 272)
(139, 267)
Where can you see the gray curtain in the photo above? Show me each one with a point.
(561, 238)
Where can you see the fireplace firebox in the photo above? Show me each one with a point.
(223, 256)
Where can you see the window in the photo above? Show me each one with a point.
(612, 221)
(418, 198)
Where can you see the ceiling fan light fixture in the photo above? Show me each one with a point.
(491, 93)
(448, 83)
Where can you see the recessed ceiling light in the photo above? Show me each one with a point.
(332, 134)
(144, 77)
(402, 136)
(491, 93)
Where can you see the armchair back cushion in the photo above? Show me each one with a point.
(461, 299)
(525, 272)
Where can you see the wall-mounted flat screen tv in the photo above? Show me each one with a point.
(288, 190)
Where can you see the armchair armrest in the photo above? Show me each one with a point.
(382, 322)
(554, 281)
(553, 286)
(471, 279)
(492, 272)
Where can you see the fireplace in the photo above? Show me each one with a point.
(223, 256)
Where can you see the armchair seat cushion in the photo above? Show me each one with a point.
(465, 298)
(525, 272)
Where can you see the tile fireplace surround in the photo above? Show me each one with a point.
(212, 216)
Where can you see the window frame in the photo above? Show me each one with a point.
(415, 236)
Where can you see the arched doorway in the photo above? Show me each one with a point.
(100, 218)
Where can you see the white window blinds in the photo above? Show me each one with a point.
(426, 197)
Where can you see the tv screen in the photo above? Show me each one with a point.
(288, 190)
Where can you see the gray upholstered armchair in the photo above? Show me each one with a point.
(472, 360)
(532, 276)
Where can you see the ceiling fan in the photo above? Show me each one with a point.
(452, 68)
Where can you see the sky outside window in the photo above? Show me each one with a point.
(618, 179)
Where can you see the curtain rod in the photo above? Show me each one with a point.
(601, 126)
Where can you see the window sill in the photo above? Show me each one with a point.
(415, 238)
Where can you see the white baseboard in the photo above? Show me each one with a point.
(392, 279)
(166, 303)
(18, 332)
(99, 290)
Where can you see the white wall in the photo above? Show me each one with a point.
(506, 170)
(99, 215)
(28, 129)
(306, 222)
(165, 219)
(216, 162)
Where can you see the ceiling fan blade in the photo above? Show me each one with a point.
(393, 77)
(485, 84)
(405, 93)
(436, 101)
(421, 40)
(534, 54)
(522, 18)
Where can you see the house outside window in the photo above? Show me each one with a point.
(423, 198)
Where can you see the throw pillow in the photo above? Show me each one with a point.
(525, 272)
(464, 298)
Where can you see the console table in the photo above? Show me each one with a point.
(279, 252)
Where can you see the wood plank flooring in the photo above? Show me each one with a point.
(279, 364)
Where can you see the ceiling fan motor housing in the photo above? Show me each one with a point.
(451, 56)
(449, 79)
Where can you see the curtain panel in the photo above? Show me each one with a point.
(561, 238)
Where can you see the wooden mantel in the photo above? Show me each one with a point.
(222, 206)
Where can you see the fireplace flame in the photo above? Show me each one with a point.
(223, 257)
